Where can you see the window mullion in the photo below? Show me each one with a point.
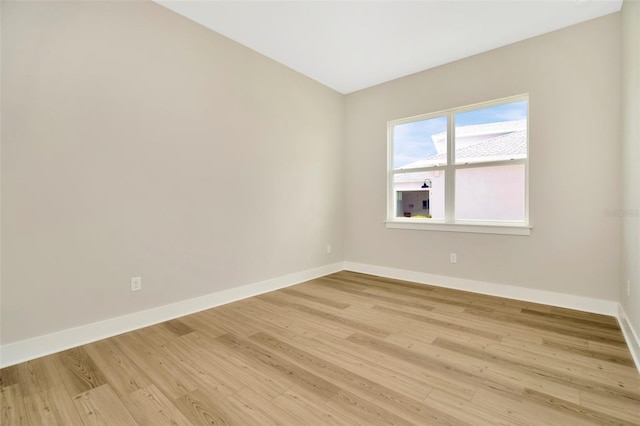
(450, 182)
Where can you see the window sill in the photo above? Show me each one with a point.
(479, 228)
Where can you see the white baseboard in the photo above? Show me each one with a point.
(562, 300)
(25, 350)
(630, 335)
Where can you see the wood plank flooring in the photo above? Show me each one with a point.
(345, 349)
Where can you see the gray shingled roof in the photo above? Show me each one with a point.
(509, 141)
(506, 147)
(511, 146)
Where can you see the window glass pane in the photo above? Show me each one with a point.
(419, 195)
(420, 143)
(491, 134)
(491, 193)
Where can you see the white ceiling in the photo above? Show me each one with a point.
(351, 45)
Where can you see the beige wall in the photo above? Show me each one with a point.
(573, 79)
(631, 161)
(131, 137)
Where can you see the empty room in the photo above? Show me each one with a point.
(320, 212)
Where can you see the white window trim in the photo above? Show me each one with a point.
(449, 224)
(517, 228)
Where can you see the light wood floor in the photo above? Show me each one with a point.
(347, 349)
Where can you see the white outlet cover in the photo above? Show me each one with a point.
(136, 283)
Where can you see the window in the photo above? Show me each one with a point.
(463, 169)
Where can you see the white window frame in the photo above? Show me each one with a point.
(450, 223)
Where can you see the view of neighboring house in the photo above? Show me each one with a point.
(421, 194)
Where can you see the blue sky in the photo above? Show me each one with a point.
(412, 141)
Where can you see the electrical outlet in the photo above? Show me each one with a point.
(453, 258)
(328, 248)
(136, 283)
